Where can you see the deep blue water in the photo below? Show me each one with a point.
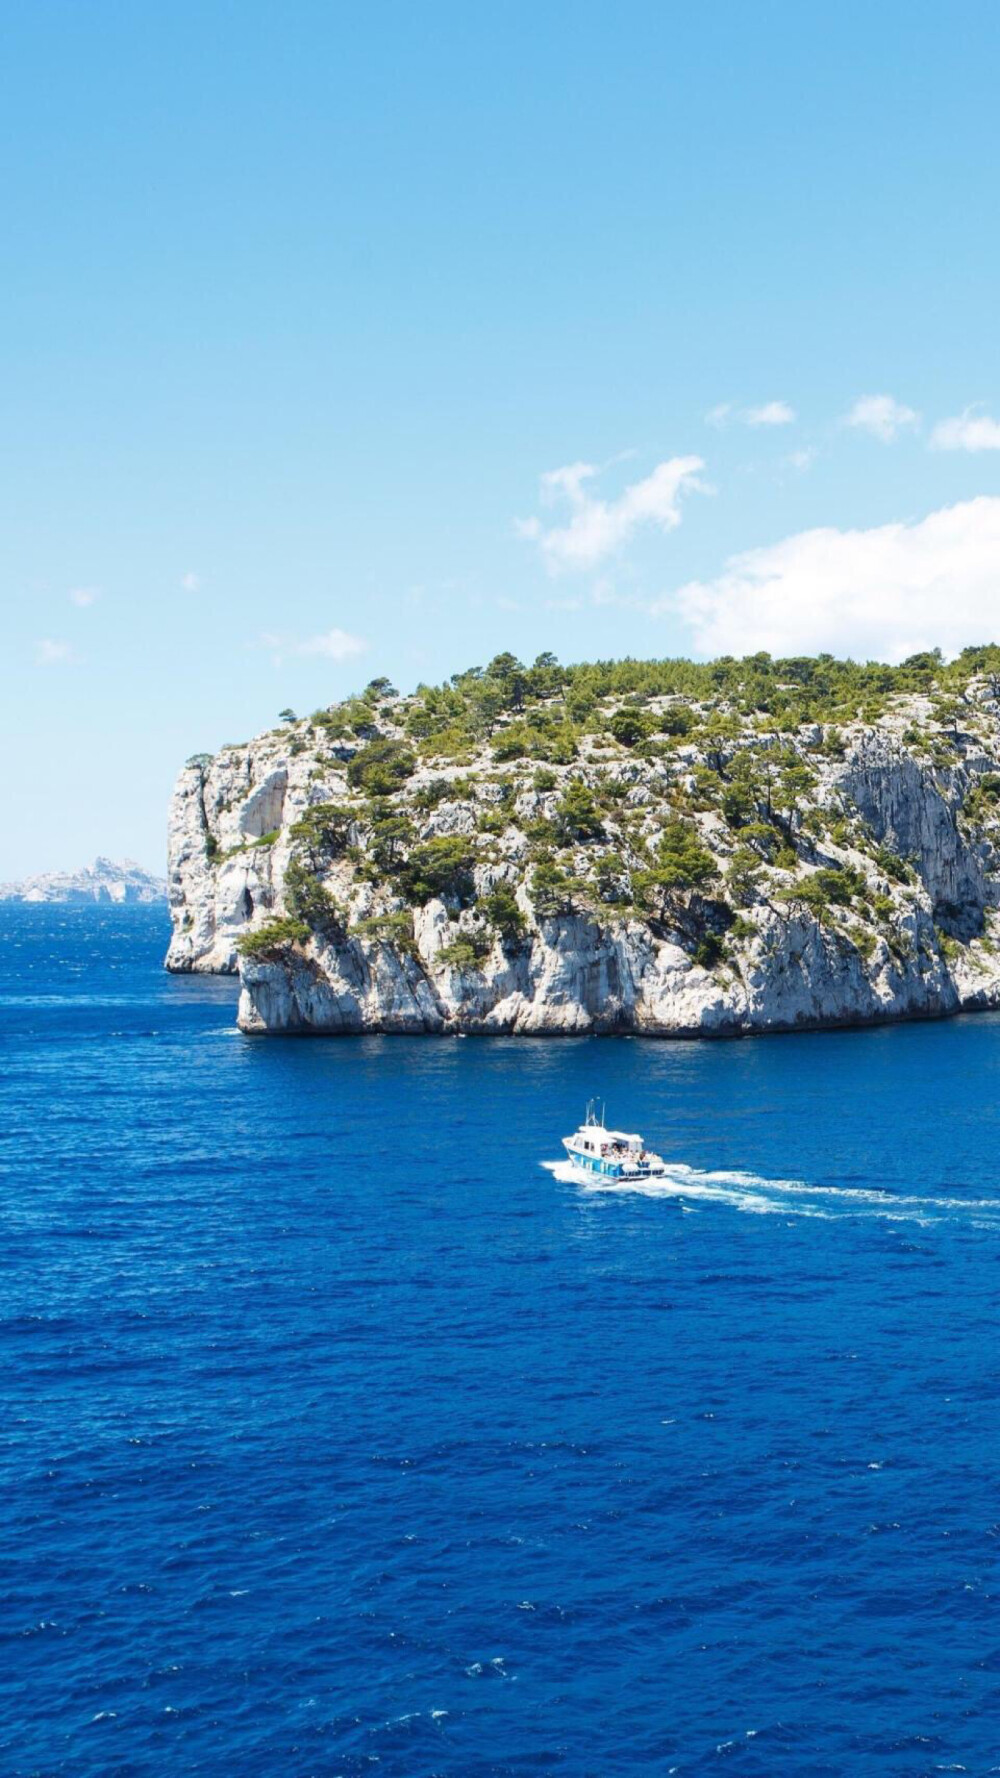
(339, 1436)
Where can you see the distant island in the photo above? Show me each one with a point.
(664, 847)
(105, 880)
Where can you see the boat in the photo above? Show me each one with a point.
(611, 1156)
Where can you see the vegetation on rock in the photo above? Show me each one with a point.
(704, 799)
(269, 942)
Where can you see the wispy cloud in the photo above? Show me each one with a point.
(332, 645)
(770, 413)
(51, 653)
(83, 596)
(968, 431)
(190, 581)
(773, 413)
(881, 593)
(336, 645)
(568, 481)
(596, 528)
(599, 595)
(881, 415)
(801, 460)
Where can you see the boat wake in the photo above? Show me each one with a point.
(755, 1195)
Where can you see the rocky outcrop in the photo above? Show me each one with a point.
(860, 883)
(578, 976)
(913, 811)
(220, 876)
(106, 880)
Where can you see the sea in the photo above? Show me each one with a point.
(342, 1432)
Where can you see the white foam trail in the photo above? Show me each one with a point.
(758, 1196)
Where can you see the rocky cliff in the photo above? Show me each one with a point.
(630, 847)
(106, 880)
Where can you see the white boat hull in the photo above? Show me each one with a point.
(601, 1171)
(600, 1156)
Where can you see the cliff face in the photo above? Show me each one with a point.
(582, 977)
(218, 878)
(734, 878)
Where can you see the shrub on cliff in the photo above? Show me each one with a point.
(441, 866)
(395, 930)
(307, 900)
(630, 726)
(681, 865)
(390, 832)
(381, 767)
(833, 886)
(270, 942)
(500, 908)
(761, 838)
(894, 866)
(809, 894)
(439, 790)
(682, 862)
(554, 891)
(840, 883)
(676, 721)
(612, 879)
(739, 803)
(324, 828)
(742, 876)
(553, 741)
(377, 689)
(709, 950)
(448, 743)
(331, 722)
(465, 952)
(577, 816)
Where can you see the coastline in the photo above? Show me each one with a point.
(677, 866)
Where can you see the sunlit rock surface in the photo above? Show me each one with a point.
(871, 891)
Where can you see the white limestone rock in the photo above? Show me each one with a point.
(118, 882)
(922, 948)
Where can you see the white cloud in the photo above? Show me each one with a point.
(567, 481)
(333, 645)
(597, 528)
(968, 431)
(882, 593)
(336, 645)
(773, 413)
(770, 413)
(802, 460)
(881, 415)
(83, 596)
(190, 581)
(49, 653)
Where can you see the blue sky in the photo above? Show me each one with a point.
(339, 341)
